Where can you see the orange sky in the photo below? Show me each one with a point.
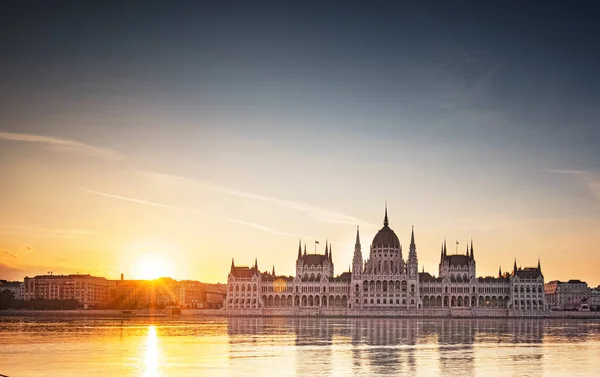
(71, 208)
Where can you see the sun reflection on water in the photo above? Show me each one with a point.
(152, 353)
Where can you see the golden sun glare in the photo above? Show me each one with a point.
(152, 266)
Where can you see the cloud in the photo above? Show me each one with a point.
(166, 206)
(106, 153)
(138, 201)
(45, 232)
(10, 273)
(26, 250)
(588, 179)
(318, 213)
(265, 228)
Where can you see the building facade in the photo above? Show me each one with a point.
(569, 295)
(385, 283)
(87, 289)
(14, 287)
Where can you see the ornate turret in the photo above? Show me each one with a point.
(472, 255)
(445, 250)
(357, 260)
(413, 261)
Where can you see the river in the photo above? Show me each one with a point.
(51, 346)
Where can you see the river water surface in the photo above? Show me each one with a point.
(47, 346)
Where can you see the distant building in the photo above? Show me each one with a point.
(385, 283)
(568, 295)
(197, 295)
(594, 301)
(144, 293)
(15, 287)
(87, 289)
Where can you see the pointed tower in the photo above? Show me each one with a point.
(273, 273)
(515, 267)
(232, 266)
(539, 267)
(499, 271)
(305, 249)
(299, 250)
(472, 255)
(330, 254)
(357, 260)
(445, 250)
(256, 264)
(326, 250)
(413, 261)
(467, 251)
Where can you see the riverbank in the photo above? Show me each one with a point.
(422, 313)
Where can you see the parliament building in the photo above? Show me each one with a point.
(385, 284)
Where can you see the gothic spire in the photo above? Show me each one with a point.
(499, 271)
(515, 267)
(385, 219)
(412, 238)
(273, 273)
(326, 246)
(442, 252)
(467, 250)
(299, 249)
(472, 255)
(330, 254)
(539, 266)
(445, 250)
(232, 265)
(357, 260)
(256, 264)
(305, 249)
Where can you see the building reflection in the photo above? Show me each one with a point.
(391, 345)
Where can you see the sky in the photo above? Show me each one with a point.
(190, 134)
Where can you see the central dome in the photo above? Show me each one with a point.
(386, 236)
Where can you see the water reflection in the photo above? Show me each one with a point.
(390, 346)
(152, 353)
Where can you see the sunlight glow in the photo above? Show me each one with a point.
(152, 266)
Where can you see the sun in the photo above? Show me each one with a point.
(152, 266)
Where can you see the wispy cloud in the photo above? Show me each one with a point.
(265, 228)
(107, 153)
(25, 250)
(319, 213)
(138, 201)
(45, 232)
(590, 180)
(166, 206)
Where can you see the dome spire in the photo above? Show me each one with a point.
(385, 218)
